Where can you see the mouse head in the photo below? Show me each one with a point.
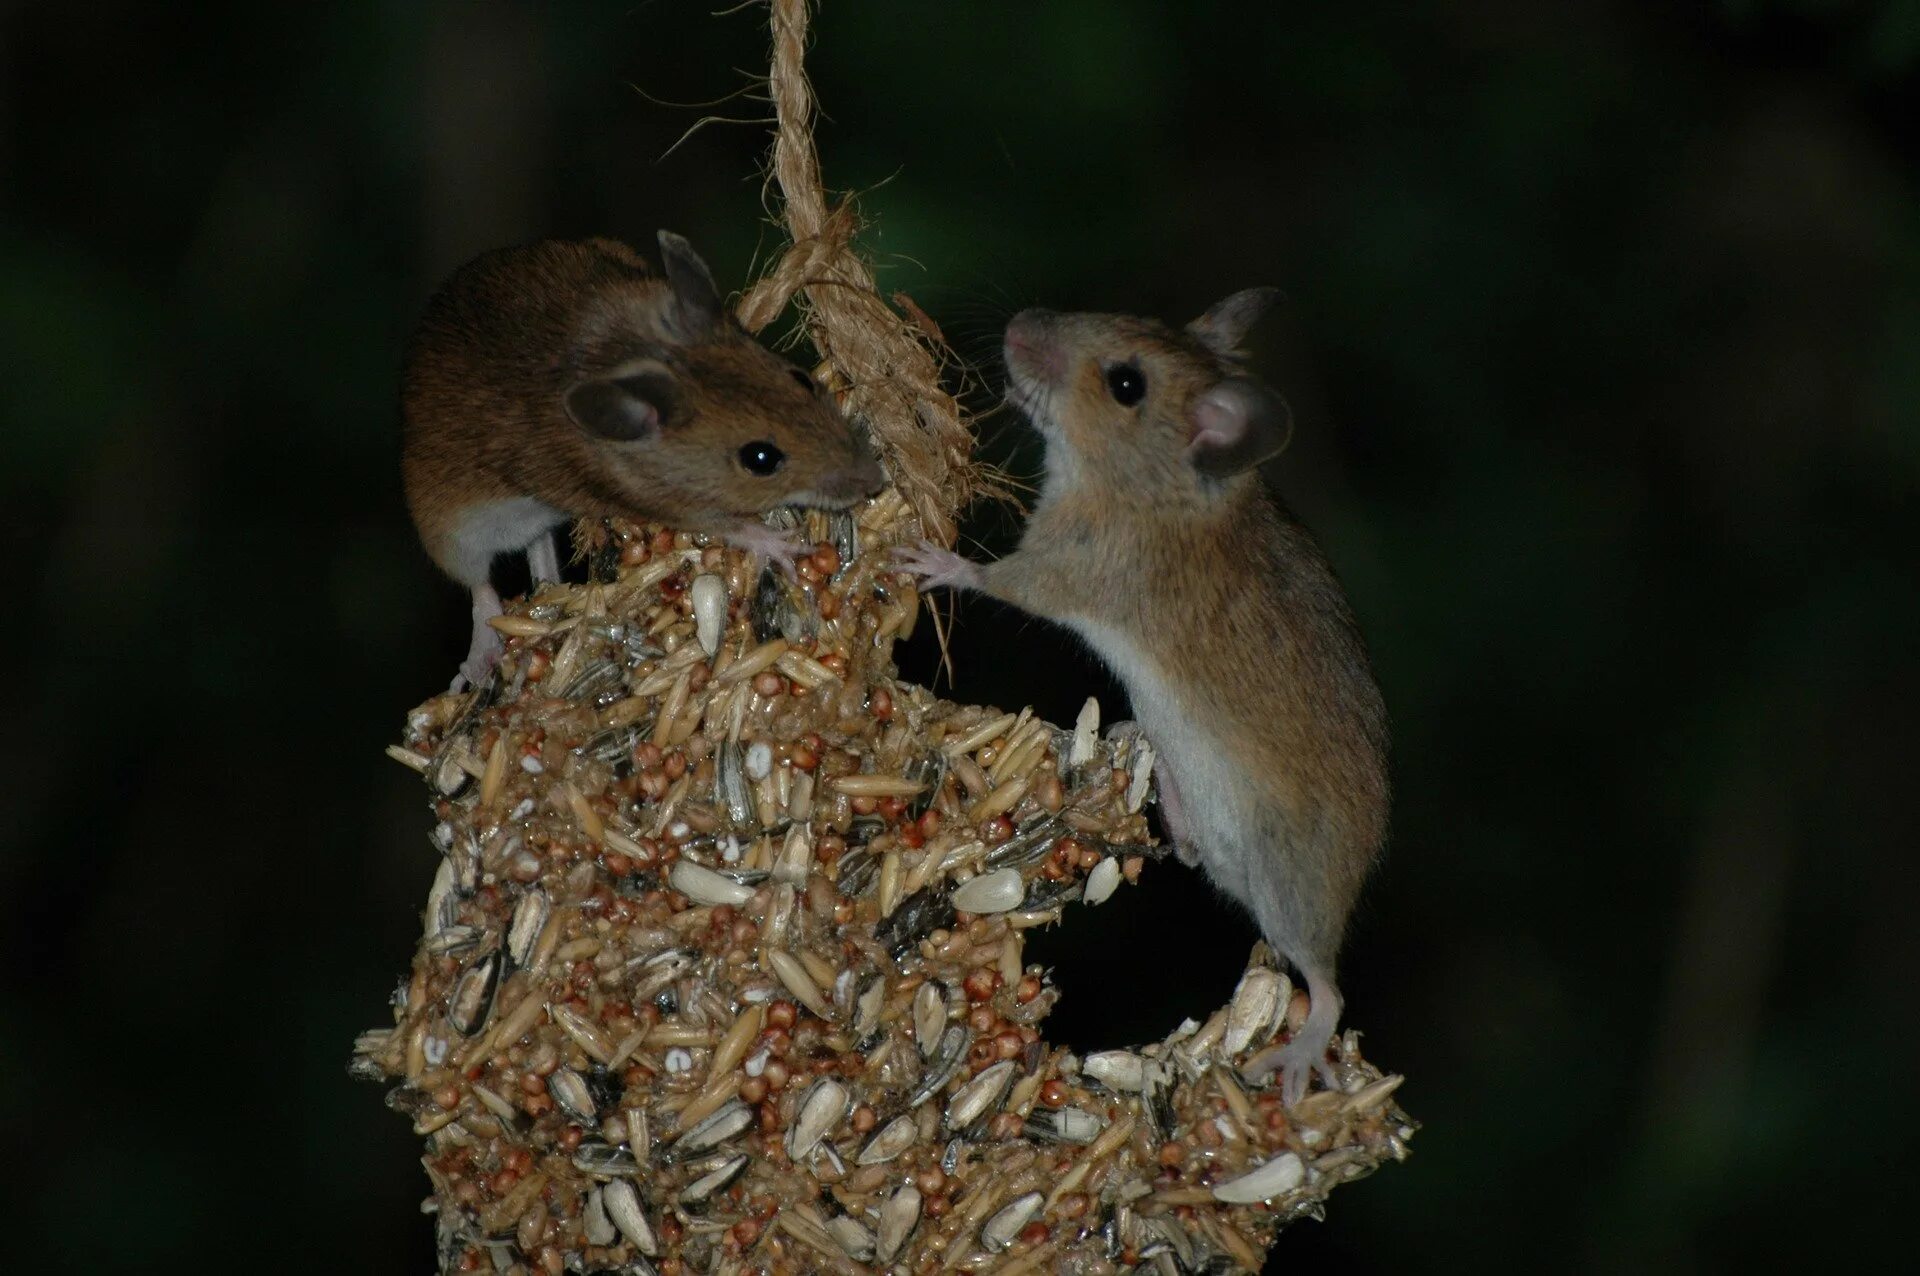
(1133, 395)
(672, 393)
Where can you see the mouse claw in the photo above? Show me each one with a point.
(936, 567)
(763, 542)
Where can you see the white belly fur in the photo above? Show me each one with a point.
(1213, 794)
(498, 527)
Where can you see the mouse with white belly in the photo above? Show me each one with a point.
(1156, 541)
(565, 379)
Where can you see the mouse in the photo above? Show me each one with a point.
(1155, 538)
(566, 379)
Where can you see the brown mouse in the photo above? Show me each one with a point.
(565, 379)
(1155, 539)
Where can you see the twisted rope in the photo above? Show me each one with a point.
(887, 372)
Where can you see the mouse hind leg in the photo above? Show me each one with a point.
(1293, 928)
(1306, 1052)
(543, 559)
(484, 650)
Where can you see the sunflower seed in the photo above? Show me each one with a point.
(946, 1061)
(917, 916)
(973, 1100)
(1102, 881)
(472, 1000)
(1064, 1125)
(714, 1180)
(824, 1107)
(1029, 843)
(599, 1227)
(708, 595)
(529, 919)
(1255, 1009)
(1000, 1230)
(1142, 774)
(897, 1219)
(1118, 1070)
(732, 1118)
(929, 1017)
(1086, 734)
(730, 783)
(569, 1090)
(604, 1160)
(889, 1141)
(868, 1006)
(1274, 1178)
(852, 1237)
(704, 886)
(994, 892)
(623, 1207)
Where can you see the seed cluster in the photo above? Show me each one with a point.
(722, 966)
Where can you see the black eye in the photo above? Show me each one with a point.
(1127, 384)
(762, 458)
(806, 382)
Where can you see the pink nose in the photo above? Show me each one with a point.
(1029, 344)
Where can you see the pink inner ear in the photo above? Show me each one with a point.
(1216, 424)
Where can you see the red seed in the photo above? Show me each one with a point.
(881, 703)
(753, 1089)
(647, 755)
(1034, 1233)
(781, 1014)
(768, 683)
(1027, 989)
(1054, 1093)
(981, 983)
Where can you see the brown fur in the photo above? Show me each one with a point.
(1217, 611)
(507, 336)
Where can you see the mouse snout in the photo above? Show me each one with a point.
(854, 482)
(1031, 350)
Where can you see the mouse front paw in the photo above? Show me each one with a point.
(935, 566)
(777, 547)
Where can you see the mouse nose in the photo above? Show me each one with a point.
(1029, 346)
(856, 482)
(1029, 329)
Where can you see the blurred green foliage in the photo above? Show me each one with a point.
(1602, 334)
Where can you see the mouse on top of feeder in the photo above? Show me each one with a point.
(565, 379)
(1156, 541)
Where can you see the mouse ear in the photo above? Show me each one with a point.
(1225, 326)
(696, 300)
(621, 409)
(1235, 426)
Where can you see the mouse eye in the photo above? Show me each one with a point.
(1127, 384)
(806, 382)
(761, 458)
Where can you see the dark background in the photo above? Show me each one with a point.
(1601, 334)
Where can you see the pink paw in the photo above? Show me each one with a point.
(764, 542)
(935, 566)
(1296, 1062)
